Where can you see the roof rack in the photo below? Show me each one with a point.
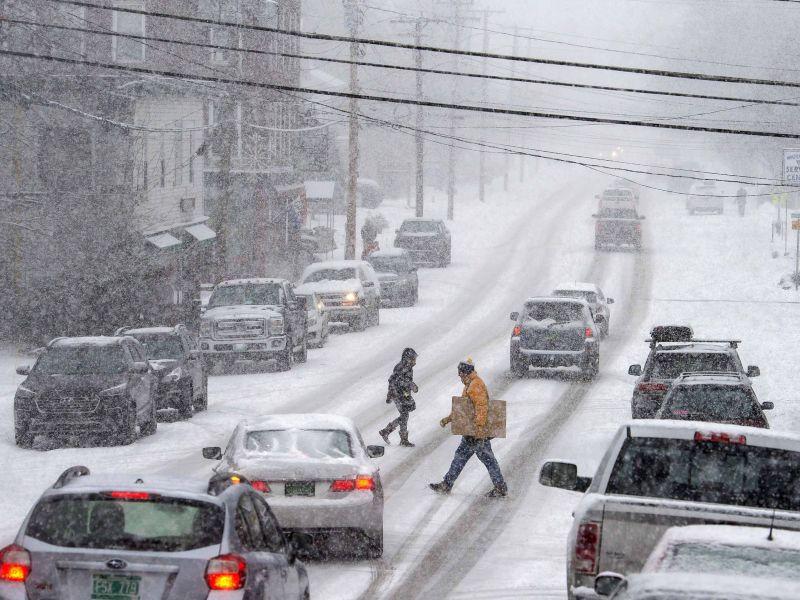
(733, 343)
(69, 475)
(712, 374)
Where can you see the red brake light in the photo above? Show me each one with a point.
(587, 545)
(226, 572)
(343, 485)
(260, 486)
(365, 483)
(650, 388)
(719, 438)
(130, 495)
(589, 332)
(15, 563)
(517, 331)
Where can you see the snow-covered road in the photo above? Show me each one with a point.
(523, 244)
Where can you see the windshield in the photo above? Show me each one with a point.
(303, 443)
(708, 472)
(670, 365)
(81, 360)
(260, 294)
(161, 346)
(561, 312)
(618, 213)
(385, 264)
(590, 297)
(330, 275)
(718, 558)
(100, 521)
(722, 403)
(420, 227)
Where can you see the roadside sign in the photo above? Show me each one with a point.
(791, 166)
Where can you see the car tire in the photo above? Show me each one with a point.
(301, 355)
(415, 297)
(186, 409)
(126, 433)
(22, 438)
(201, 403)
(373, 546)
(361, 323)
(518, 368)
(284, 359)
(149, 427)
(376, 317)
(590, 371)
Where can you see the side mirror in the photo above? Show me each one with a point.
(212, 453)
(194, 354)
(367, 284)
(23, 370)
(595, 216)
(609, 301)
(753, 371)
(599, 319)
(375, 451)
(767, 406)
(299, 543)
(635, 370)
(514, 316)
(564, 476)
(608, 582)
(140, 368)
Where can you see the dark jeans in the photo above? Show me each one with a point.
(402, 422)
(482, 448)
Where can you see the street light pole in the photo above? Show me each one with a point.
(354, 19)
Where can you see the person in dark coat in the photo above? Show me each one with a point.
(401, 386)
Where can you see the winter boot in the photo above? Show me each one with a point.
(405, 443)
(384, 433)
(440, 488)
(499, 491)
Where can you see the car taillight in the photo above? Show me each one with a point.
(587, 547)
(365, 483)
(226, 572)
(719, 438)
(589, 333)
(362, 483)
(260, 486)
(343, 485)
(650, 388)
(15, 563)
(517, 331)
(129, 495)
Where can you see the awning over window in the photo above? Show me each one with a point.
(163, 240)
(201, 232)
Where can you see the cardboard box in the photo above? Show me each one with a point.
(463, 415)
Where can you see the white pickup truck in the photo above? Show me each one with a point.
(658, 474)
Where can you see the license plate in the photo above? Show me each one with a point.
(299, 488)
(240, 347)
(115, 587)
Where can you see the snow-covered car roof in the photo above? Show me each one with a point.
(560, 299)
(142, 483)
(148, 331)
(732, 535)
(87, 341)
(689, 430)
(333, 264)
(300, 421)
(715, 378)
(389, 253)
(708, 586)
(693, 347)
(577, 286)
(251, 281)
(421, 220)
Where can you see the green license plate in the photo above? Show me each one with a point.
(299, 488)
(115, 587)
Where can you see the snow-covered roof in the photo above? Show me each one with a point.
(128, 482)
(732, 535)
(577, 286)
(715, 378)
(686, 430)
(421, 219)
(148, 331)
(300, 421)
(389, 253)
(333, 264)
(710, 586)
(559, 299)
(251, 281)
(320, 189)
(694, 347)
(87, 341)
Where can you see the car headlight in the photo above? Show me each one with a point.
(320, 306)
(276, 326)
(117, 390)
(205, 329)
(174, 376)
(351, 297)
(24, 393)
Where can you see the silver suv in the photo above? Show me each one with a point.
(128, 537)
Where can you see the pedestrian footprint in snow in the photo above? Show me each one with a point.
(401, 386)
(481, 444)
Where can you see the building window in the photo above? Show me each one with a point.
(187, 205)
(127, 49)
(221, 36)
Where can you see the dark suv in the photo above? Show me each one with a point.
(555, 332)
(398, 277)
(674, 351)
(181, 370)
(88, 387)
(427, 241)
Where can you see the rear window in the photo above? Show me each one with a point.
(720, 473)
(670, 365)
(390, 264)
(560, 312)
(300, 443)
(420, 227)
(711, 402)
(618, 213)
(161, 346)
(734, 560)
(100, 521)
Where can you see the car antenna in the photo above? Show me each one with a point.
(771, 537)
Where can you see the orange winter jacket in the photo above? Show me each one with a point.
(476, 391)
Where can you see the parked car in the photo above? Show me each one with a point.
(317, 321)
(349, 289)
(427, 241)
(128, 537)
(696, 586)
(705, 198)
(554, 332)
(617, 220)
(315, 471)
(182, 373)
(87, 387)
(716, 397)
(655, 475)
(254, 320)
(674, 351)
(398, 277)
(597, 301)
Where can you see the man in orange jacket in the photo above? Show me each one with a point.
(481, 444)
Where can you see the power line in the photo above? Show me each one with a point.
(396, 67)
(439, 50)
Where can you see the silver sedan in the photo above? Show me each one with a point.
(316, 474)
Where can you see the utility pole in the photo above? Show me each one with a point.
(510, 97)
(522, 157)
(354, 16)
(485, 94)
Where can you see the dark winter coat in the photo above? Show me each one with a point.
(401, 386)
